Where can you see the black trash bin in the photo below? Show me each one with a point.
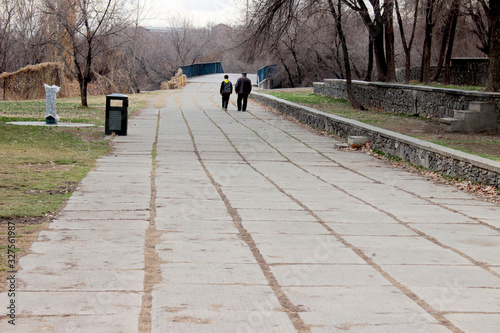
(116, 114)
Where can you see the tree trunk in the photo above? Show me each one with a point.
(389, 40)
(83, 91)
(493, 77)
(376, 31)
(444, 43)
(380, 63)
(340, 31)
(369, 70)
(287, 70)
(448, 38)
(449, 52)
(425, 76)
(407, 46)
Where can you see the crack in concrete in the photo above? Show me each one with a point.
(291, 310)
(152, 274)
(406, 225)
(413, 296)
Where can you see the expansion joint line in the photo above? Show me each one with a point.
(405, 290)
(406, 225)
(152, 274)
(290, 309)
(376, 181)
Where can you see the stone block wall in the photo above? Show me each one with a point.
(431, 156)
(463, 71)
(469, 71)
(413, 100)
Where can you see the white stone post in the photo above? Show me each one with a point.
(51, 116)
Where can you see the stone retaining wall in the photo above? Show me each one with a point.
(463, 71)
(431, 156)
(401, 98)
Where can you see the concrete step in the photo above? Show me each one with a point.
(482, 106)
(451, 124)
(488, 111)
(466, 115)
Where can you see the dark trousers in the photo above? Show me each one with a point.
(242, 98)
(225, 100)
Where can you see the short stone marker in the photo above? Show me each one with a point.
(357, 140)
(51, 117)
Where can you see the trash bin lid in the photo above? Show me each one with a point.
(117, 95)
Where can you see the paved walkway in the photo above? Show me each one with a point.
(207, 221)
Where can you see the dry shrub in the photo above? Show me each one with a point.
(27, 83)
(117, 81)
(178, 81)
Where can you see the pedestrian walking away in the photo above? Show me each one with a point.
(226, 89)
(243, 88)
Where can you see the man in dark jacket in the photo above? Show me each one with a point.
(243, 88)
(226, 89)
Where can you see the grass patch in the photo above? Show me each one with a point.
(342, 107)
(449, 86)
(463, 144)
(308, 98)
(67, 110)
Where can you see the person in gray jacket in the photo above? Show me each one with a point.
(226, 89)
(243, 88)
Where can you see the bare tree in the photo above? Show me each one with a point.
(381, 30)
(431, 11)
(449, 29)
(476, 11)
(407, 45)
(337, 16)
(273, 18)
(187, 41)
(88, 26)
(7, 14)
(492, 8)
(21, 34)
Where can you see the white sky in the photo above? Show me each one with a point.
(200, 12)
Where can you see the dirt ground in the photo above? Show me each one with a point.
(486, 143)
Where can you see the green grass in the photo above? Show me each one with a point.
(458, 146)
(341, 107)
(308, 98)
(67, 110)
(39, 165)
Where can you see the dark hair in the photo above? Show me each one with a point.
(226, 76)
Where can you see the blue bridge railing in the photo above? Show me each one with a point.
(202, 69)
(266, 77)
(265, 72)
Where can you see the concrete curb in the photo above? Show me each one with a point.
(429, 155)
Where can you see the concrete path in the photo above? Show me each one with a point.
(207, 221)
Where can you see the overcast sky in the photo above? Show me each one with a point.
(201, 12)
